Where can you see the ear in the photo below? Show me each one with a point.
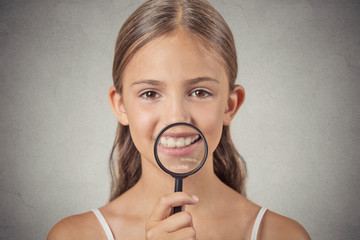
(118, 107)
(235, 100)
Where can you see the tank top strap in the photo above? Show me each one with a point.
(103, 223)
(256, 226)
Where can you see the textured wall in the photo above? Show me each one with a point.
(298, 129)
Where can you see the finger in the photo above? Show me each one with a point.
(166, 203)
(184, 233)
(178, 221)
(171, 224)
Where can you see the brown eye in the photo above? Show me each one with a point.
(200, 93)
(150, 95)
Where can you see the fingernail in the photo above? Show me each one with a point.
(194, 198)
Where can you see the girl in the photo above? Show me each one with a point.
(175, 61)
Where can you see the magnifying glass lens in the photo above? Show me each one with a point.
(180, 149)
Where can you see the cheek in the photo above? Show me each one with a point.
(212, 131)
(210, 122)
(142, 123)
(141, 119)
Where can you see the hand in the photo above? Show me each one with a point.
(177, 226)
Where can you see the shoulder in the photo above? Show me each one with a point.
(276, 226)
(81, 226)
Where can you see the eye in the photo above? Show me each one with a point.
(200, 93)
(149, 95)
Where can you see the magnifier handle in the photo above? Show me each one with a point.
(178, 188)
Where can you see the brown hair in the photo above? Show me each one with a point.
(153, 19)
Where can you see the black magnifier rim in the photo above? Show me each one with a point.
(180, 175)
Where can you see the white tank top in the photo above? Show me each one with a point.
(110, 236)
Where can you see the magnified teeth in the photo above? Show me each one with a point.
(171, 142)
(163, 141)
(180, 142)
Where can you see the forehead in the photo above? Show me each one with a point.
(177, 56)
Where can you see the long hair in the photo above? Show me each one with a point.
(153, 19)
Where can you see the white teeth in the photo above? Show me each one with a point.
(180, 143)
(163, 141)
(171, 142)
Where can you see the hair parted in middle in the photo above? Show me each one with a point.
(201, 22)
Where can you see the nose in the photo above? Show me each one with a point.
(176, 110)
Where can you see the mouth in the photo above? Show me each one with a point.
(178, 142)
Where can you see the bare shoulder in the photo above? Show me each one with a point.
(276, 226)
(81, 226)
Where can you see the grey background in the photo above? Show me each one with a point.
(298, 129)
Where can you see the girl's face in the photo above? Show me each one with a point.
(174, 79)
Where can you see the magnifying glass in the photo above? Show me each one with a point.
(180, 150)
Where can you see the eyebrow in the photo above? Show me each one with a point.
(149, 81)
(160, 83)
(203, 79)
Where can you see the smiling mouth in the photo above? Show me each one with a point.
(178, 142)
